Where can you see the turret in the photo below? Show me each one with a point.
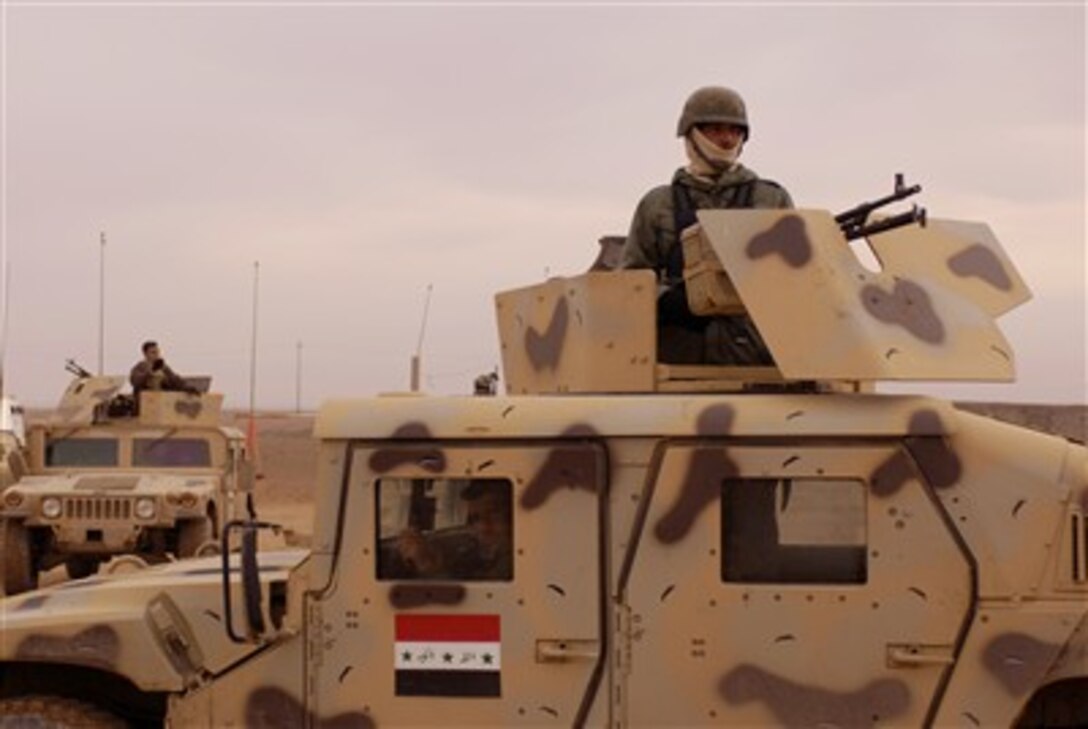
(829, 322)
(94, 399)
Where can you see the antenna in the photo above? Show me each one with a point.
(251, 432)
(6, 304)
(298, 376)
(101, 302)
(416, 358)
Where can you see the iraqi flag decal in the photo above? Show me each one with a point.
(448, 655)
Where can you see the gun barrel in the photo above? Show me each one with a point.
(70, 365)
(857, 215)
(914, 215)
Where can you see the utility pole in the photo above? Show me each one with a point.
(251, 433)
(298, 377)
(101, 303)
(6, 303)
(416, 358)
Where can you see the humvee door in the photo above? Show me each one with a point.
(468, 585)
(792, 585)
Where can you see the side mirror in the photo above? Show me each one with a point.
(252, 593)
(247, 476)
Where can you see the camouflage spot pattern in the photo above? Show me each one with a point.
(411, 596)
(95, 647)
(1018, 660)
(703, 479)
(935, 456)
(188, 408)
(544, 350)
(274, 708)
(891, 476)
(908, 306)
(788, 239)
(565, 467)
(980, 262)
(716, 420)
(797, 705)
(32, 603)
(701, 489)
(432, 459)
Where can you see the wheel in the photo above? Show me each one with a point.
(80, 567)
(192, 534)
(1061, 705)
(20, 571)
(54, 712)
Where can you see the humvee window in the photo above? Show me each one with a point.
(81, 452)
(459, 529)
(171, 452)
(793, 530)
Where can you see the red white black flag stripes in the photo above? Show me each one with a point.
(448, 655)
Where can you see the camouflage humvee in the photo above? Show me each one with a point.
(618, 542)
(100, 484)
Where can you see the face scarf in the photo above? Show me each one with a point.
(707, 159)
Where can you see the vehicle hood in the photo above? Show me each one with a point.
(160, 627)
(90, 484)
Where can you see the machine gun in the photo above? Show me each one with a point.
(853, 221)
(70, 365)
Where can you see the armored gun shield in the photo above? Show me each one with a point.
(927, 315)
(85, 394)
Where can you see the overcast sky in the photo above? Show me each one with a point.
(364, 152)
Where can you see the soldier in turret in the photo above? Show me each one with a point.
(714, 126)
(152, 373)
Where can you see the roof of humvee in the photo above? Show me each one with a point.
(119, 427)
(415, 417)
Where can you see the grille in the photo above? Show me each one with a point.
(97, 508)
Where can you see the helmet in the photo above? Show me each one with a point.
(713, 105)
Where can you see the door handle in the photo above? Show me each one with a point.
(914, 654)
(562, 650)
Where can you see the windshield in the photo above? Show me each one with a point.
(81, 452)
(171, 452)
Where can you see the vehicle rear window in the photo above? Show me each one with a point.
(171, 452)
(794, 531)
(81, 452)
(445, 528)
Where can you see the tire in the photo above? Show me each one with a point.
(80, 567)
(192, 534)
(54, 712)
(20, 572)
(1061, 705)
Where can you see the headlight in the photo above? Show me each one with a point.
(13, 499)
(51, 507)
(145, 508)
(185, 499)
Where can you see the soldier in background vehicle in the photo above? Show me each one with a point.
(714, 126)
(152, 373)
